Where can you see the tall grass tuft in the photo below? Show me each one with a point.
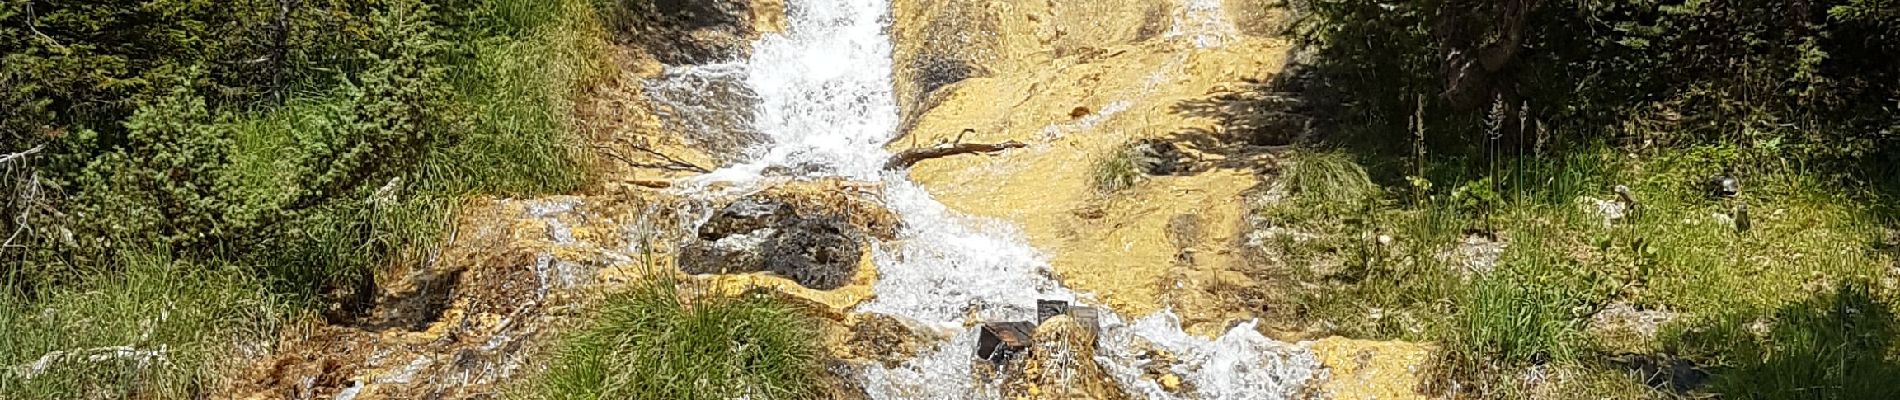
(1330, 178)
(658, 342)
(1115, 171)
(159, 330)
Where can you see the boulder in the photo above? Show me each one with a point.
(813, 233)
(820, 253)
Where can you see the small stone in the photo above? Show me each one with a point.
(1171, 382)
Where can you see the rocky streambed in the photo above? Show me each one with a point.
(754, 160)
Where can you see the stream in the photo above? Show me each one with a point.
(819, 96)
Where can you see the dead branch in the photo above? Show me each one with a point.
(95, 355)
(669, 163)
(651, 183)
(10, 157)
(27, 195)
(910, 157)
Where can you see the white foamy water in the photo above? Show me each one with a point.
(820, 97)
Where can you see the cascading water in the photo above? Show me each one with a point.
(820, 96)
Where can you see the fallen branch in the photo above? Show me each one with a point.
(142, 358)
(910, 157)
(10, 157)
(651, 183)
(670, 164)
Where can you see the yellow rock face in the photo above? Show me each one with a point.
(1362, 369)
(1079, 81)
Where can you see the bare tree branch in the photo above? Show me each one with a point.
(10, 157)
(910, 157)
(670, 164)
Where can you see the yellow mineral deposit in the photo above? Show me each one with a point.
(1099, 57)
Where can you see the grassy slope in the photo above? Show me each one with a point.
(520, 86)
(1798, 306)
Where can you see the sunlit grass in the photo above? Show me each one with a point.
(179, 322)
(1808, 242)
(659, 342)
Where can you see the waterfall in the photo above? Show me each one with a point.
(819, 97)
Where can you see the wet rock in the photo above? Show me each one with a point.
(709, 106)
(1159, 158)
(1001, 342)
(1061, 365)
(820, 253)
(730, 255)
(815, 234)
(743, 216)
(886, 339)
(843, 381)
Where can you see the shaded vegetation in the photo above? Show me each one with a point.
(276, 152)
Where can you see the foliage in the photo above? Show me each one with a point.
(1838, 344)
(304, 138)
(1761, 309)
(659, 342)
(1332, 177)
(206, 168)
(1807, 78)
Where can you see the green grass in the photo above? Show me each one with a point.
(1329, 179)
(195, 314)
(1115, 171)
(1812, 254)
(658, 342)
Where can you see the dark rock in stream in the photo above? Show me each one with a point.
(765, 235)
(820, 253)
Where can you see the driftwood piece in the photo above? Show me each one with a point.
(999, 341)
(669, 162)
(910, 157)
